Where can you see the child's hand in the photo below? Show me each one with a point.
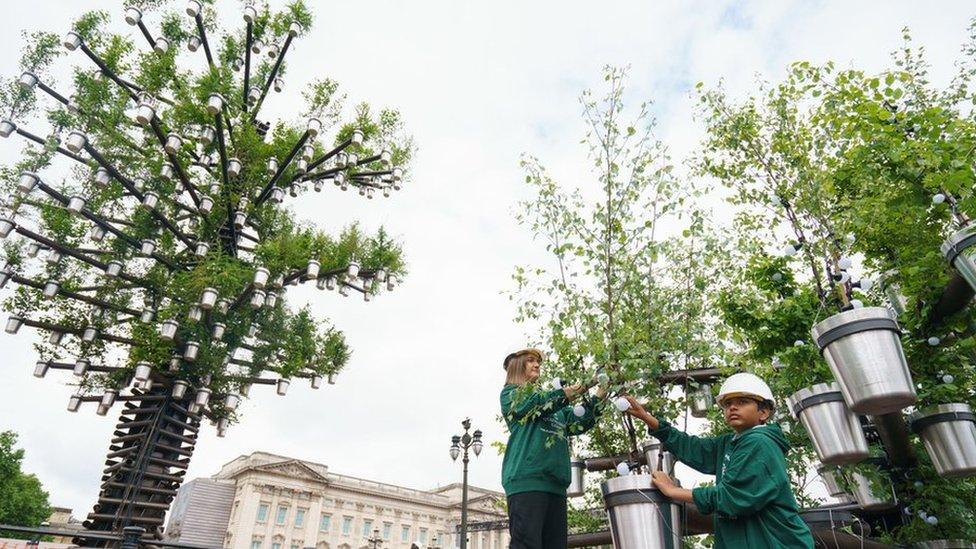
(636, 409)
(663, 482)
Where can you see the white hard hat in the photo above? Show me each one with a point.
(744, 384)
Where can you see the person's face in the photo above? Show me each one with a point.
(742, 413)
(532, 369)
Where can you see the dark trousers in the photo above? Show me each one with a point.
(537, 520)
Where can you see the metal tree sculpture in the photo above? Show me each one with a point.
(156, 263)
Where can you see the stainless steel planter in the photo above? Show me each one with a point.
(701, 401)
(892, 291)
(949, 434)
(863, 349)
(829, 476)
(864, 494)
(640, 516)
(577, 473)
(658, 459)
(834, 429)
(959, 252)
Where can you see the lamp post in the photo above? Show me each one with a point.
(376, 540)
(458, 443)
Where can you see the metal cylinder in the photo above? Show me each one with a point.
(960, 253)
(640, 516)
(829, 477)
(863, 349)
(577, 469)
(949, 434)
(701, 401)
(868, 494)
(657, 458)
(834, 429)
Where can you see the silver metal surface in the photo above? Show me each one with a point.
(701, 401)
(950, 444)
(829, 477)
(864, 495)
(892, 290)
(640, 525)
(869, 366)
(577, 473)
(834, 429)
(962, 260)
(656, 456)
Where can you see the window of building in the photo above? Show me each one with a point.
(282, 514)
(275, 546)
(255, 544)
(263, 512)
(405, 533)
(300, 517)
(367, 528)
(325, 522)
(387, 529)
(346, 526)
(439, 540)
(295, 546)
(423, 536)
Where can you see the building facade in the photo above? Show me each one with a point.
(276, 502)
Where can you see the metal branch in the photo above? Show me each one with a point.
(232, 245)
(247, 64)
(76, 296)
(271, 77)
(107, 71)
(43, 143)
(51, 327)
(203, 38)
(90, 368)
(281, 168)
(180, 173)
(325, 158)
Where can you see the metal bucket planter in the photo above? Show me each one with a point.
(701, 401)
(949, 434)
(829, 476)
(945, 544)
(834, 429)
(640, 516)
(658, 459)
(868, 496)
(892, 290)
(863, 349)
(577, 471)
(960, 253)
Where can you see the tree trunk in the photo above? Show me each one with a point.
(146, 463)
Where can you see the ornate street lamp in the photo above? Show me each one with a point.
(461, 443)
(158, 267)
(376, 540)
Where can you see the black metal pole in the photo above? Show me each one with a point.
(464, 501)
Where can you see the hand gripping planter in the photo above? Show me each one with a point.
(863, 349)
(577, 471)
(834, 429)
(949, 434)
(640, 516)
(960, 252)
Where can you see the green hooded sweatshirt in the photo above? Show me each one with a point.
(537, 454)
(752, 500)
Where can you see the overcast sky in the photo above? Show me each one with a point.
(478, 83)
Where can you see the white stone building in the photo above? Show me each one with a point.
(265, 501)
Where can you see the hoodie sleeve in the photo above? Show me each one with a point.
(699, 453)
(516, 408)
(579, 425)
(747, 486)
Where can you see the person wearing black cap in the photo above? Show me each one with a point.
(536, 470)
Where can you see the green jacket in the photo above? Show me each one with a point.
(752, 500)
(537, 454)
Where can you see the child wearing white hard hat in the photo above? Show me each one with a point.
(752, 500)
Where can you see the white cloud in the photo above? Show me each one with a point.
(478, 83)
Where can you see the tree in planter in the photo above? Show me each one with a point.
(154, 248)
(23, 501)
(617, 295)
(887, 160)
